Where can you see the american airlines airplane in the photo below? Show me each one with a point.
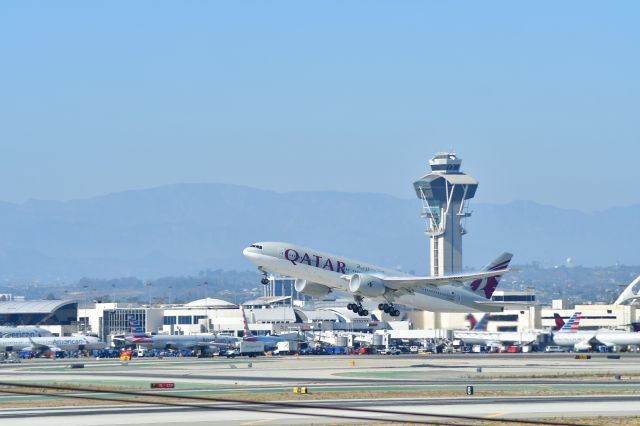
(23, 331)
(50, 344)
(160, 341)
(270, 342)
(583, 340)
(319, 273)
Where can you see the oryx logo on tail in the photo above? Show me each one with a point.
(488, 285)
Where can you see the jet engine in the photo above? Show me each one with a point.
(366, 285)
(311, 289)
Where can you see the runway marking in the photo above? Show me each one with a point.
(490, 416)
(255, 422)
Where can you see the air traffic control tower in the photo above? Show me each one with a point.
(444, 192)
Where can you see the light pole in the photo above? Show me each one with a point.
(148, 285)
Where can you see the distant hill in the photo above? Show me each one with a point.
(185, 228)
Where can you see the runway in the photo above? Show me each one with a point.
(491, 408)
(520, 387)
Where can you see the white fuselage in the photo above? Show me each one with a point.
(330, 270)
(179, 341)
(572, 338)
(602, 336)
(23, 331)
(11, 344)
(471, 337)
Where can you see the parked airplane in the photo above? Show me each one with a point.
(270, 342)
(50, 344)
(23, 331)
(160, 341)
(571, 335)
(318, 273)
(478, 325)
(559, 322)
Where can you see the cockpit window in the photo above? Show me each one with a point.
(259, 247)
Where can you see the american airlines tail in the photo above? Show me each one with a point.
(135, 328)
(487, 286)
(248, 335)
(573, 323)
(482, 324)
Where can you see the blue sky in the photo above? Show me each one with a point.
(540, 99)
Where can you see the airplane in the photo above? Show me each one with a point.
(319, 273)
(270, 342)
(23, 331)
(559, 322)
(571, 335)
(602, 336)
(478, 334)
(160, 341)
(478, 325)
(50, 344)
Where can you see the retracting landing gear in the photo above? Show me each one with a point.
(264, 280)
(389, 309)
(358, 309)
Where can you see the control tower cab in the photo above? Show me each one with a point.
(444, 192)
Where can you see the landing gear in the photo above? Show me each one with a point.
(358, 309)
(389, 309)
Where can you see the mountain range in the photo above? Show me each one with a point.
(185, 228)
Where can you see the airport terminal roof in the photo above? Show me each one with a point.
(33, 306)
(267, 300)
(278, 314)
(210, 302)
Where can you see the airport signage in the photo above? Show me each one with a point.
(163, 385)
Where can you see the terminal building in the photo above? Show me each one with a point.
(444, 192)
(57, 316)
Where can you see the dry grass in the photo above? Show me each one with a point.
(290, 396)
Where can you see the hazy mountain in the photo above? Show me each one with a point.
(186, 228)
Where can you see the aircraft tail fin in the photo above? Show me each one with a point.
(472, 321)
(482, 324)
(248, 335)
(134, 327)
(559, 322)
(487, 286)
(573, 323)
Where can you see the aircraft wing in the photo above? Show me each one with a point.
(513, 305)
(42, 347)
(410, 283)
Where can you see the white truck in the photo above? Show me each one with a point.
(286, 348)
(250, 349)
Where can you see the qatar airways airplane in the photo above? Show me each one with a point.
(319, 273)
